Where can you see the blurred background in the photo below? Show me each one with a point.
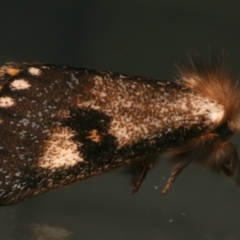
(144, 38)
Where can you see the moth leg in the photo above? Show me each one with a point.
(174, 173)
(139, 172)
(227, 159)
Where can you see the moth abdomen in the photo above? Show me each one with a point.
(62, 124)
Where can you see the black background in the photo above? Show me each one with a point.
(135, 37)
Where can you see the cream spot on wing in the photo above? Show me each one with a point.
(19, 84)
(34, 71)
(6, 102)
(60, 150)
(205, 106)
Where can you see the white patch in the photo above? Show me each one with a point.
(60, 150)
(19, 84)
(6, 102)
(205, 106)
(216, 112)
(34, 71)
(199, 106)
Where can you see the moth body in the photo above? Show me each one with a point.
(59, 125)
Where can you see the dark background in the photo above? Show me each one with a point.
(134, 37)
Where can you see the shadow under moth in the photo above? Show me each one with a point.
(60, 124)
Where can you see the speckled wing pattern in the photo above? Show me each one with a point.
(60, 124)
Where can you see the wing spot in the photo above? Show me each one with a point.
(61, 150)
(13, 71)
(6, 102)
(19, 84)
(34, 71)
(94, 136)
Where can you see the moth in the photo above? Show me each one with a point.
(60, 124)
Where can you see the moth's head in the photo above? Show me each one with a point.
(214, 80)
